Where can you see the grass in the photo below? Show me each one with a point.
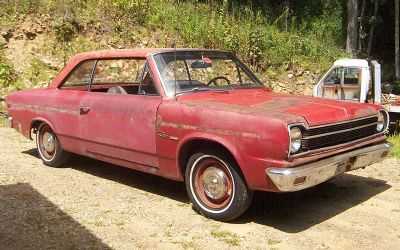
(187, 244)
(230, 238)
(168, 233)
(395, 140)
(273, 242)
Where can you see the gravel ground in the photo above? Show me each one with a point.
(91, 204)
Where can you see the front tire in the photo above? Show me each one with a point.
(49, 148)
(215, 187)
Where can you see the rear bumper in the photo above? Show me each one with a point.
(305, 176)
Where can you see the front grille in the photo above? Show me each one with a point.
(331, 135)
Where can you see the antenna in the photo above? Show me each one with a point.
(175, 68)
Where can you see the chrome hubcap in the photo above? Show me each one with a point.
(48, 142)
(214, 183)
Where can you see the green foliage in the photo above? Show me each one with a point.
(39, 73)
(135, 10)
(396, 87)
(12, 7)
(63, 30)
(395, 140)
(311, 41)
(256, 47)
(269, 35)
(7, 73)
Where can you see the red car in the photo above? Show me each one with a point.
(199, 116)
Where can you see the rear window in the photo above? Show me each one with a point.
(123, 71)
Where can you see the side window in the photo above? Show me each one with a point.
(343, 75)
(119, 71)
(351, 75)
(147, 86)
(80, 77)
(334, 76)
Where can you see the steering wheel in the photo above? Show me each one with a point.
(214, 80)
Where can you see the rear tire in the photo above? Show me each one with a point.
(49, 148)
(215, 186)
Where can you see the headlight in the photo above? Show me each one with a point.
(382, 121)
(295, 139)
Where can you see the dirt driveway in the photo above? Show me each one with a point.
(90, 204)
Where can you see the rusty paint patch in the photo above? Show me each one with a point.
(365, 112)
(43, 108)
(280, 103)
(210, 130)
(256, 110)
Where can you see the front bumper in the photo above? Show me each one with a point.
(305, 176)
(10, 122)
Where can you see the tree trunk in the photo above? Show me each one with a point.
(373, 24)
(352, 21)
(361, 26)
(396, 39)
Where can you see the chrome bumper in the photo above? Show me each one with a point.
(305, 176)
(10, 122)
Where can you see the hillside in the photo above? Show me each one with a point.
(287, 48)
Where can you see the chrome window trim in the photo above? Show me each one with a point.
(159, 74)
(244, 66)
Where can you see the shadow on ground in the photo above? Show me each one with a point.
(298, 211)
(288, 212)
(147, 182)
(30, 221)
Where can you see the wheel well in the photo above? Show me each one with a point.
(193, 146)
(34, 126)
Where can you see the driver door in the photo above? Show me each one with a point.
(120, 127)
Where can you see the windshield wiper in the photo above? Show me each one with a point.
(197, 89)
(194, 90)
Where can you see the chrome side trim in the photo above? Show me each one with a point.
(323, 170)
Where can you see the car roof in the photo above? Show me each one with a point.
(110, 54)
(120, 53)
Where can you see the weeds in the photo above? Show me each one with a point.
(63, 30)
(230, 238)
(7, 73)
(39, 73)
(395, 140)
(273, 242)
(268, 41)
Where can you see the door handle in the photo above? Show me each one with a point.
(84, 110)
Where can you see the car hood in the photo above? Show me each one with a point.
(316, 111)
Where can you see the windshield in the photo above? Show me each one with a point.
(203, 71)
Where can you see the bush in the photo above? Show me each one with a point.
(7, 73)
(63, 30)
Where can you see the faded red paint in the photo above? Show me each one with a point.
(148, 132)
